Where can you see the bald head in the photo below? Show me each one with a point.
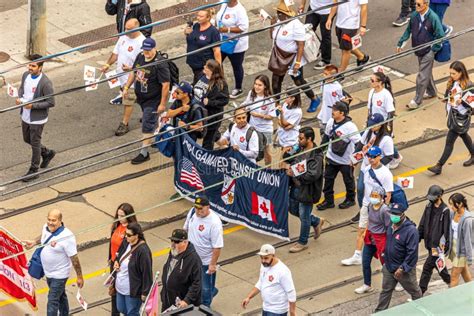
(54, 220)
(131, 25)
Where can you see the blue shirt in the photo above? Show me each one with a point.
(401, 248)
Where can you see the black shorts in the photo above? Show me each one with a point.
(149, 120)
(344, 37)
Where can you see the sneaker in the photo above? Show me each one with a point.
(356, 218)
(399, 287)
(320, 65)
(346, 204)
(117, 100)
(298, 248)
(174, 196)
(225, 223)
(314, 105)
(47, 158)
(318, 228)
(469, 162)
(140, 159)
(235, 93)
(449, 30)
(436, 169)
(426, 96)
(395, 162)
(363, 61)
(401, 21)
(325, 205)
(121, 130)
(364, 289)
(354, 260)
(30, 175)
(413, 105)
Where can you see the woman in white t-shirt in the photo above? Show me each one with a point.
(262, 112)
(288, 40)
(289, 120)
(232, 19)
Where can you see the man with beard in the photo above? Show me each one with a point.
(275, 285)
(181, 276)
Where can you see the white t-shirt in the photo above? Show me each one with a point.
(289, 137)
(276, 288)
(348, 14)
(345, 129)
(455, 94)
(266, 107)
(455, 227)
(122, 282)
(385, 177)
(205, 234)
(386, 145)
(332, 92)
(127, 50)
(316, 4)
(235, 17)
(380, 102)
(56, 260)
(287, 35)
(237, 137)
(29, 89)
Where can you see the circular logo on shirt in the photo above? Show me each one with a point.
(284, 33)
(201, 228)
(264, 107)
(202, 37)
(334, 93)
(130, 48)
(339, 133)
(242, 139)
(53, 244)
(379, 102)
(227, 16)
(270, 278)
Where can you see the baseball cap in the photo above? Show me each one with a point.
(434, 192)
(341, 106)
(201, 201)
(374, 151)
(375, 119)
(186, 87)
(179, 235)
(266, 250)
(396, 208)
(148, 44)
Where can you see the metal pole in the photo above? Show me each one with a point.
(36, 32)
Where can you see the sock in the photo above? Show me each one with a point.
(358, 253)
(144, 151)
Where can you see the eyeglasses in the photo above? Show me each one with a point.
(129, 235)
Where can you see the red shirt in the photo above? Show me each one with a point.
(116, 240)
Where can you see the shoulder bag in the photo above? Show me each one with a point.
(280, 60)
(35, 267)
(227, 47)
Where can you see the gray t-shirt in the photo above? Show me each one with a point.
(379, 219)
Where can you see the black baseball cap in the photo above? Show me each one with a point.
(341, 106)
(201, 201)
(179, 235)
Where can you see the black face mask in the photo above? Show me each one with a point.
(267, 264)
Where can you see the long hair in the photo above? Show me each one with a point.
(217, 74)
(297, 102)
(385, 80)
(136, 230)
(127, 209)
(458, 198)
(267, 91)
(382, 132)
(458, 66)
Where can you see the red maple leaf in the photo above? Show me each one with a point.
(379, 102)
(334, 93)
(270, 278)
(300, 167)
(201, 228)
(470, 99)
(242, 139)
(405, 183)
(130, 48)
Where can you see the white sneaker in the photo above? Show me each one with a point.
(352, 261)
(395, 162)
(413, 105)
(449, 30)
(364, 289)
(399, 287)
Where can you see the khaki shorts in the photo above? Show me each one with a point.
(131, 99)
(364, 217)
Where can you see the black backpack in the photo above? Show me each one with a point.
(174, 70)
(204, 113)
(262, 141)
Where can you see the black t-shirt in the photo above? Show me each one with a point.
(198, 39)
(148, 80)
(192, 115)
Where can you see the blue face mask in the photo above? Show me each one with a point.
(395, 218)
(374, 201)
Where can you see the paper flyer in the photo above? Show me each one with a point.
(114, 82)
(299, 168)
(12, 91)
(356, 41)
(81, 300)
(357, 157)
(406, 182)
(89, 73)
(93, 87)
(264, 15)
(469, 98)
(289, 2)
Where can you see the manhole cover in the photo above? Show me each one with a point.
(4, 57)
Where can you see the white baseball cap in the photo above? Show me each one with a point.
(266, 250)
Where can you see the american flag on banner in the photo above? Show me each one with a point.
(189, 174)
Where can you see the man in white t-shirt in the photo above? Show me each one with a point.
(351, 20)
(331, 93)
(275, 285)
(240, 138)
(125, 52)
(205, 233)
(56, 258)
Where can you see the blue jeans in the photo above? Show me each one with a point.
(440, 10)
(237, 61)
(367, 254)
(208, 290)
(303, 211)
(127, 305)
(265, 313)
(57, 298)
(360, 188)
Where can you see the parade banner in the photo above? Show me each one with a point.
(14, 278)
(257, 200)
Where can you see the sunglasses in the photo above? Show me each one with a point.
(129, 235)
(371, 156)
(420, 4)
(176, 241)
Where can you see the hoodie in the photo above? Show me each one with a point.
(184, 281)
(434, 227)
(401, 247)
(139, 10)
(465, 243)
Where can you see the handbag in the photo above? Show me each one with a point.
(35, 267)
(311, 45)
(227, 47)
(444, 54)
(280, 60)
(458, 122)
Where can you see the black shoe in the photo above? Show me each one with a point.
(140, 159)
(346, 204)
(122, 130)
(175, 196)
(224, 223)
(30, 175)
(436, 169)
(469, 162)
(363, 61)
(325, 205)
(355, 219)
(47, 158)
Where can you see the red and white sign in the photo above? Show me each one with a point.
(263, 207)
(469, 98)
(357, 157)
(299, 168)
(14, 278)
(114, 82)
(356, 41)
(12, 91)
(406, 183)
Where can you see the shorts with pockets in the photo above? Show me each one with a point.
(344, 37)
(149, 120)
(269, 137)
(131, 98)
(364, 217)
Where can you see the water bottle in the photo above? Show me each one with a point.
(294, 149)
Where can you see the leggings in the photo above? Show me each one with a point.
(237, 61)
(449, 146)
(302, 84)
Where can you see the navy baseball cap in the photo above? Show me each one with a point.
(148, 44)
(201, 201)
(396, 208)
(186, 87)
(375, 119)
(374, 151)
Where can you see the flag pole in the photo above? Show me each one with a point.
(155, 283)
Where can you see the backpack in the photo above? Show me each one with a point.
(262, 141)
(398, 195)
(174, 70)
(164, 141)
(204, 114)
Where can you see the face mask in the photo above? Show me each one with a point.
(267, 264)
(374, 201)
(395, 218)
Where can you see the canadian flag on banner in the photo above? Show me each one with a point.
(263, 207)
